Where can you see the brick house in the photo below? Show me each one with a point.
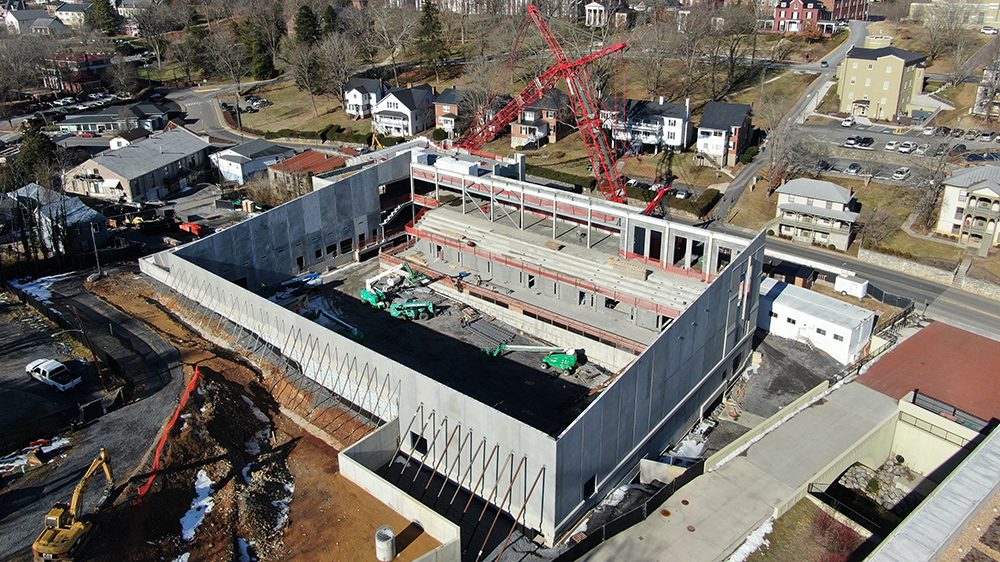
(725, 131)
(295, 174)
(446, 110)
(538, 123)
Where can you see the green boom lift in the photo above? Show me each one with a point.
(558, 358)
(411, 310)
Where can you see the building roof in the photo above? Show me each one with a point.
(73, 211)
(804, 209)
(133, 135)
(115, 113)
(141, 158)
(555, 99)
(908, 57)
(976, 178)
(930, 531)
(640, 109)
(47, 23)
(71, 7)
(258, 148)
(814, 304)
(817, 189)
(413, 98)
(28, 16)
(37, 193)
(451, 96)
(363, 85)
(946, 363)
(720, 115)
(310, 162)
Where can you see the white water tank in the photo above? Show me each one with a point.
(385, 543)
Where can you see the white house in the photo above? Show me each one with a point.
(361, 95)
(817, 212)
(128, 9)
(405, 111)
(37, 22)
(72, 15)
(970, 208)
(649, 123)
(242, 162)
(724, 132)
(839, 329)
(125, 138)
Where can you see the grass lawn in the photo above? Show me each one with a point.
(789, 85)
(830, 103)
(796, 537)
(754, 207)
(963, 97)
(801, 50)
(292, 109)
(912, 36)
(987, 268)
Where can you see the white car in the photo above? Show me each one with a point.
(922, 149)
(989, 30)
(907, 147)
(849, 122)
(53, 373)
(901, 173)
(928, 131)
(891, 145)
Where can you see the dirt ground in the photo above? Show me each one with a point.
(276, 490)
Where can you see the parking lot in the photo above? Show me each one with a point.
(33, 409)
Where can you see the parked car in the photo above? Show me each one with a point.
(922, 149)
(891, 145)
(86, 134)
(852, 140)
(53, 373)
(823, 165)
(901, 173)
(866, 142)
(682, 193)
(958, 149)
(957, 133)
(849, 122)
(907, 147)
(854, 169)
(940, 150)
(972, 134)
(824, 64)
(928, 131)
(987, 136)
(989, 30)
(942, 131)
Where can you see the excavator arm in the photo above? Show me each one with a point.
(102, 462)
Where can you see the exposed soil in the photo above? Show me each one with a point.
(275, 487)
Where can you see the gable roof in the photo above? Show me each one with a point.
(310, 162)
(71, 7)
(908, 57)
(363, 85)
(720, 115)
(451, 96)
(554, 99)
(639, 109)
(37, 193)
(413, 98)
(976, 178)
(133, 135)
(817, 189)
(115, 113)
(141, 158)
(28, 16)
(73, 211)
(258, 148)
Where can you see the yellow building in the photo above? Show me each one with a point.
(880, 83)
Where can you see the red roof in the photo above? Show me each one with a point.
(310, 161)
(946, 363)
(349, 150)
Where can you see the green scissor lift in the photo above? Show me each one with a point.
(558, 358)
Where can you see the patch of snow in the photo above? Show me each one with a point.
(283, 505)
(615, 497)
(40, 288)
(57, 443)
(255, 445)
(183, 557)
(753, 542)
(257, 413)
(201, 505)
(246, 550)
(19, 460)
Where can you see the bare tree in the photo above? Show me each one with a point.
(306, 67)
(986, 97)
(876, 227)
(394, 27)
(230, 59)
(337, 53)
(944, 24)
(653, 42)
(123, 76)
(738, 27)
(21, 61)
(689, 46)
(961, 50)
(154, 22)
(359, 27)
(268, 19)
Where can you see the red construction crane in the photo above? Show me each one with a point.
(585, 107)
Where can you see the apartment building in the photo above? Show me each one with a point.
(75, 72)
(725, 131)
(969, 13)
(817, 212)
(642, 123)
(970, 207)
(538, 123)
(880, 83)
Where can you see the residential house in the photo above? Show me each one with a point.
(129, 9)
(968, 14)
(75, 72)
(125, 138)
(67, 224)
(144, 115)
(37, 22)
(72, 15)
(840, 329)
(880, 83)
(602, 13)
(817, 212)
(10, 6)
(796, 16)
(970, 207)
(148, 170)
(405, 112)
(725, 131)
(539, 122)
(295, 174)
(242, 162)
(640, 123)
(446, 108)
(361, 95)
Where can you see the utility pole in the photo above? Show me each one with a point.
(93, 241)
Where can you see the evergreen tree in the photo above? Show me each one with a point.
(103, 18)
(430, 42)
(261, 61)
(37, 150)
(307, 30)
(330, 23)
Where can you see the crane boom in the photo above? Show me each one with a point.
(103, 461)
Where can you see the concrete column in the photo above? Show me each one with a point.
(708, 256)
(413, 206)
(649, 236)
(590, 222)
(687, 252)
(520, 214)
(667, 248)
(464, 195)
(437, 185)
(625, 235)
(555, 207)
(493, 203)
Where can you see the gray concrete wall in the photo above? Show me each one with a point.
(658, 398)
(265, 250)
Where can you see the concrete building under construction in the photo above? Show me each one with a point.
(661, 313)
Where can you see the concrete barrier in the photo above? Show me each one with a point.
(713, 461)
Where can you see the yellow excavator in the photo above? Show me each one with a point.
(66, 531)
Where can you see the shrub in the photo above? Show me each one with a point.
(748, 155)
(873, 485)
(770, 232)
(439, 134)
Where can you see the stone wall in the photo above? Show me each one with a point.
(970, 284)
(981, 287)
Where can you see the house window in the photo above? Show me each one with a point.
(868, 82)
(853, 81)
(821, 331)
(772, 314)
(319, 253)
(838, 337)
(331, 249)
(589, 487)
(870, 66)
(809, 15)
(888, 70)
(790, 321)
